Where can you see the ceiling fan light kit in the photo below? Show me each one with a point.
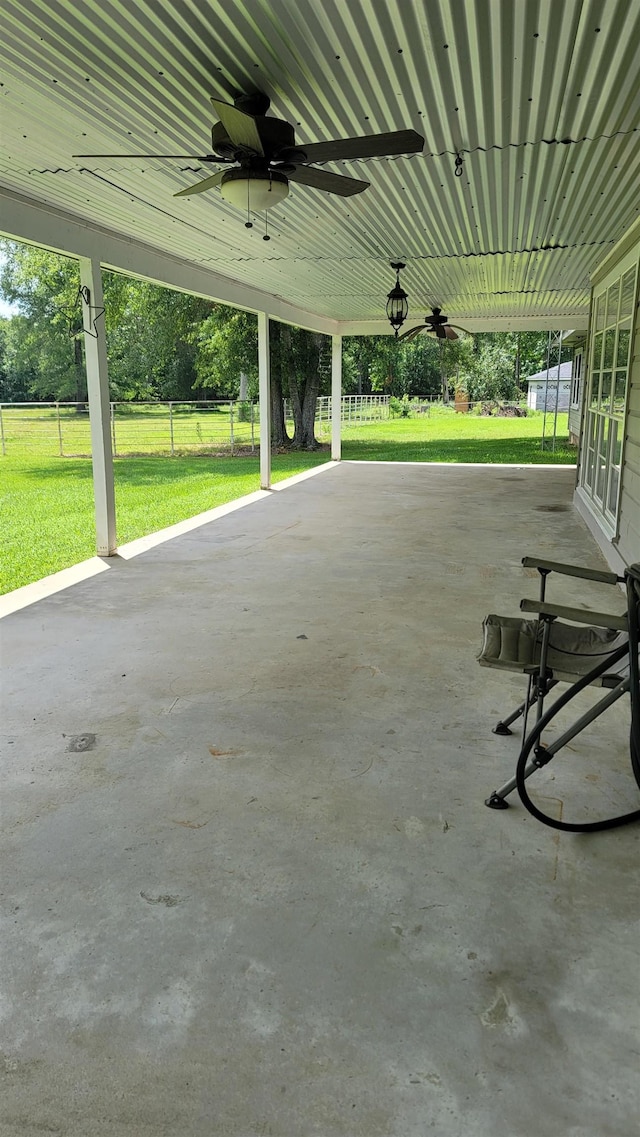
(254, 190)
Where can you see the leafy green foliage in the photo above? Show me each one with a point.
(40, 356)
(227, 345)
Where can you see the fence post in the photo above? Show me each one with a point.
(112, 407)
(60, 450)
(171, 427)
(231, 425)
(253, 439)
(4, 449)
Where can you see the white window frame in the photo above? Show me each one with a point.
(603, 429)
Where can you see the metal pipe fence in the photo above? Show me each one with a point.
(167, 428)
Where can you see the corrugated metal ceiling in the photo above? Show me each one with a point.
(502, 82)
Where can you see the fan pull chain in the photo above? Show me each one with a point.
(248, 223)
(266, 227)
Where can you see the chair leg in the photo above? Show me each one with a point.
(502, 727)
(543, 754)
(538, 688)
(497, 800)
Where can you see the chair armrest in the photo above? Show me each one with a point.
(573, 570)
(576, 615)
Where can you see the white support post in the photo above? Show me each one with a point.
(264, 396)
(336, 398)
(95, 349)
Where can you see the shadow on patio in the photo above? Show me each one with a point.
(253, 888)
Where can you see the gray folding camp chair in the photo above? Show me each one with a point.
(592, 649)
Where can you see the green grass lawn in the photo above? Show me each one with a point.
(47, 502)
(444, 436)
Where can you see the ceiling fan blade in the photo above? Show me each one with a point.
(199, 187)
(369, 146)
(325, 180)
(463, 330)
(241, 128)
(412, 333)
(449, 333)
(191, 157)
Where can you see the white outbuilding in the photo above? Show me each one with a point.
(550, 390)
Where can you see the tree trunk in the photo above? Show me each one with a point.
(304, 394)
(244, 387)
(279, 436)
(280, 349)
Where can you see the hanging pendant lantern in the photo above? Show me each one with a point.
(397, 302)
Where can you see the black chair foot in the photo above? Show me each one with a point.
(501, 729)
(495, 802)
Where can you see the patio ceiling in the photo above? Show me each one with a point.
(540, 98)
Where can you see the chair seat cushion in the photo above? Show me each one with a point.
(514, 645)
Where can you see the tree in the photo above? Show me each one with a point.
(503, 362)
(420, 367)
(42, 351)
(150, 339)
(227, 348)
(300, 370)
(149, 331)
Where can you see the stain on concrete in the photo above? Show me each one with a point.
(164, 898)
(413, 827)
(498, 1014)
(80, 742)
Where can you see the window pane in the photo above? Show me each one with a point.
(591, 422)
(598, 488)
(614, 482)
(615, 444)
(619, 392)
(609, 342)
(628, 289)
(597, 351)
(595, 388)
(601, 458)
(613, 299)
(605, 391)
(615, 449)
(598, 317)
(624, 342)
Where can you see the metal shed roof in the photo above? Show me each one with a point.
(540, 98)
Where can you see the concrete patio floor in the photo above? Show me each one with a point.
(250, 884)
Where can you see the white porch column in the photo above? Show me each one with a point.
(264, 397)
(95, 349)
(336, 398)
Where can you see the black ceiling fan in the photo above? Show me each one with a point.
(262, 155)
(435, 325)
